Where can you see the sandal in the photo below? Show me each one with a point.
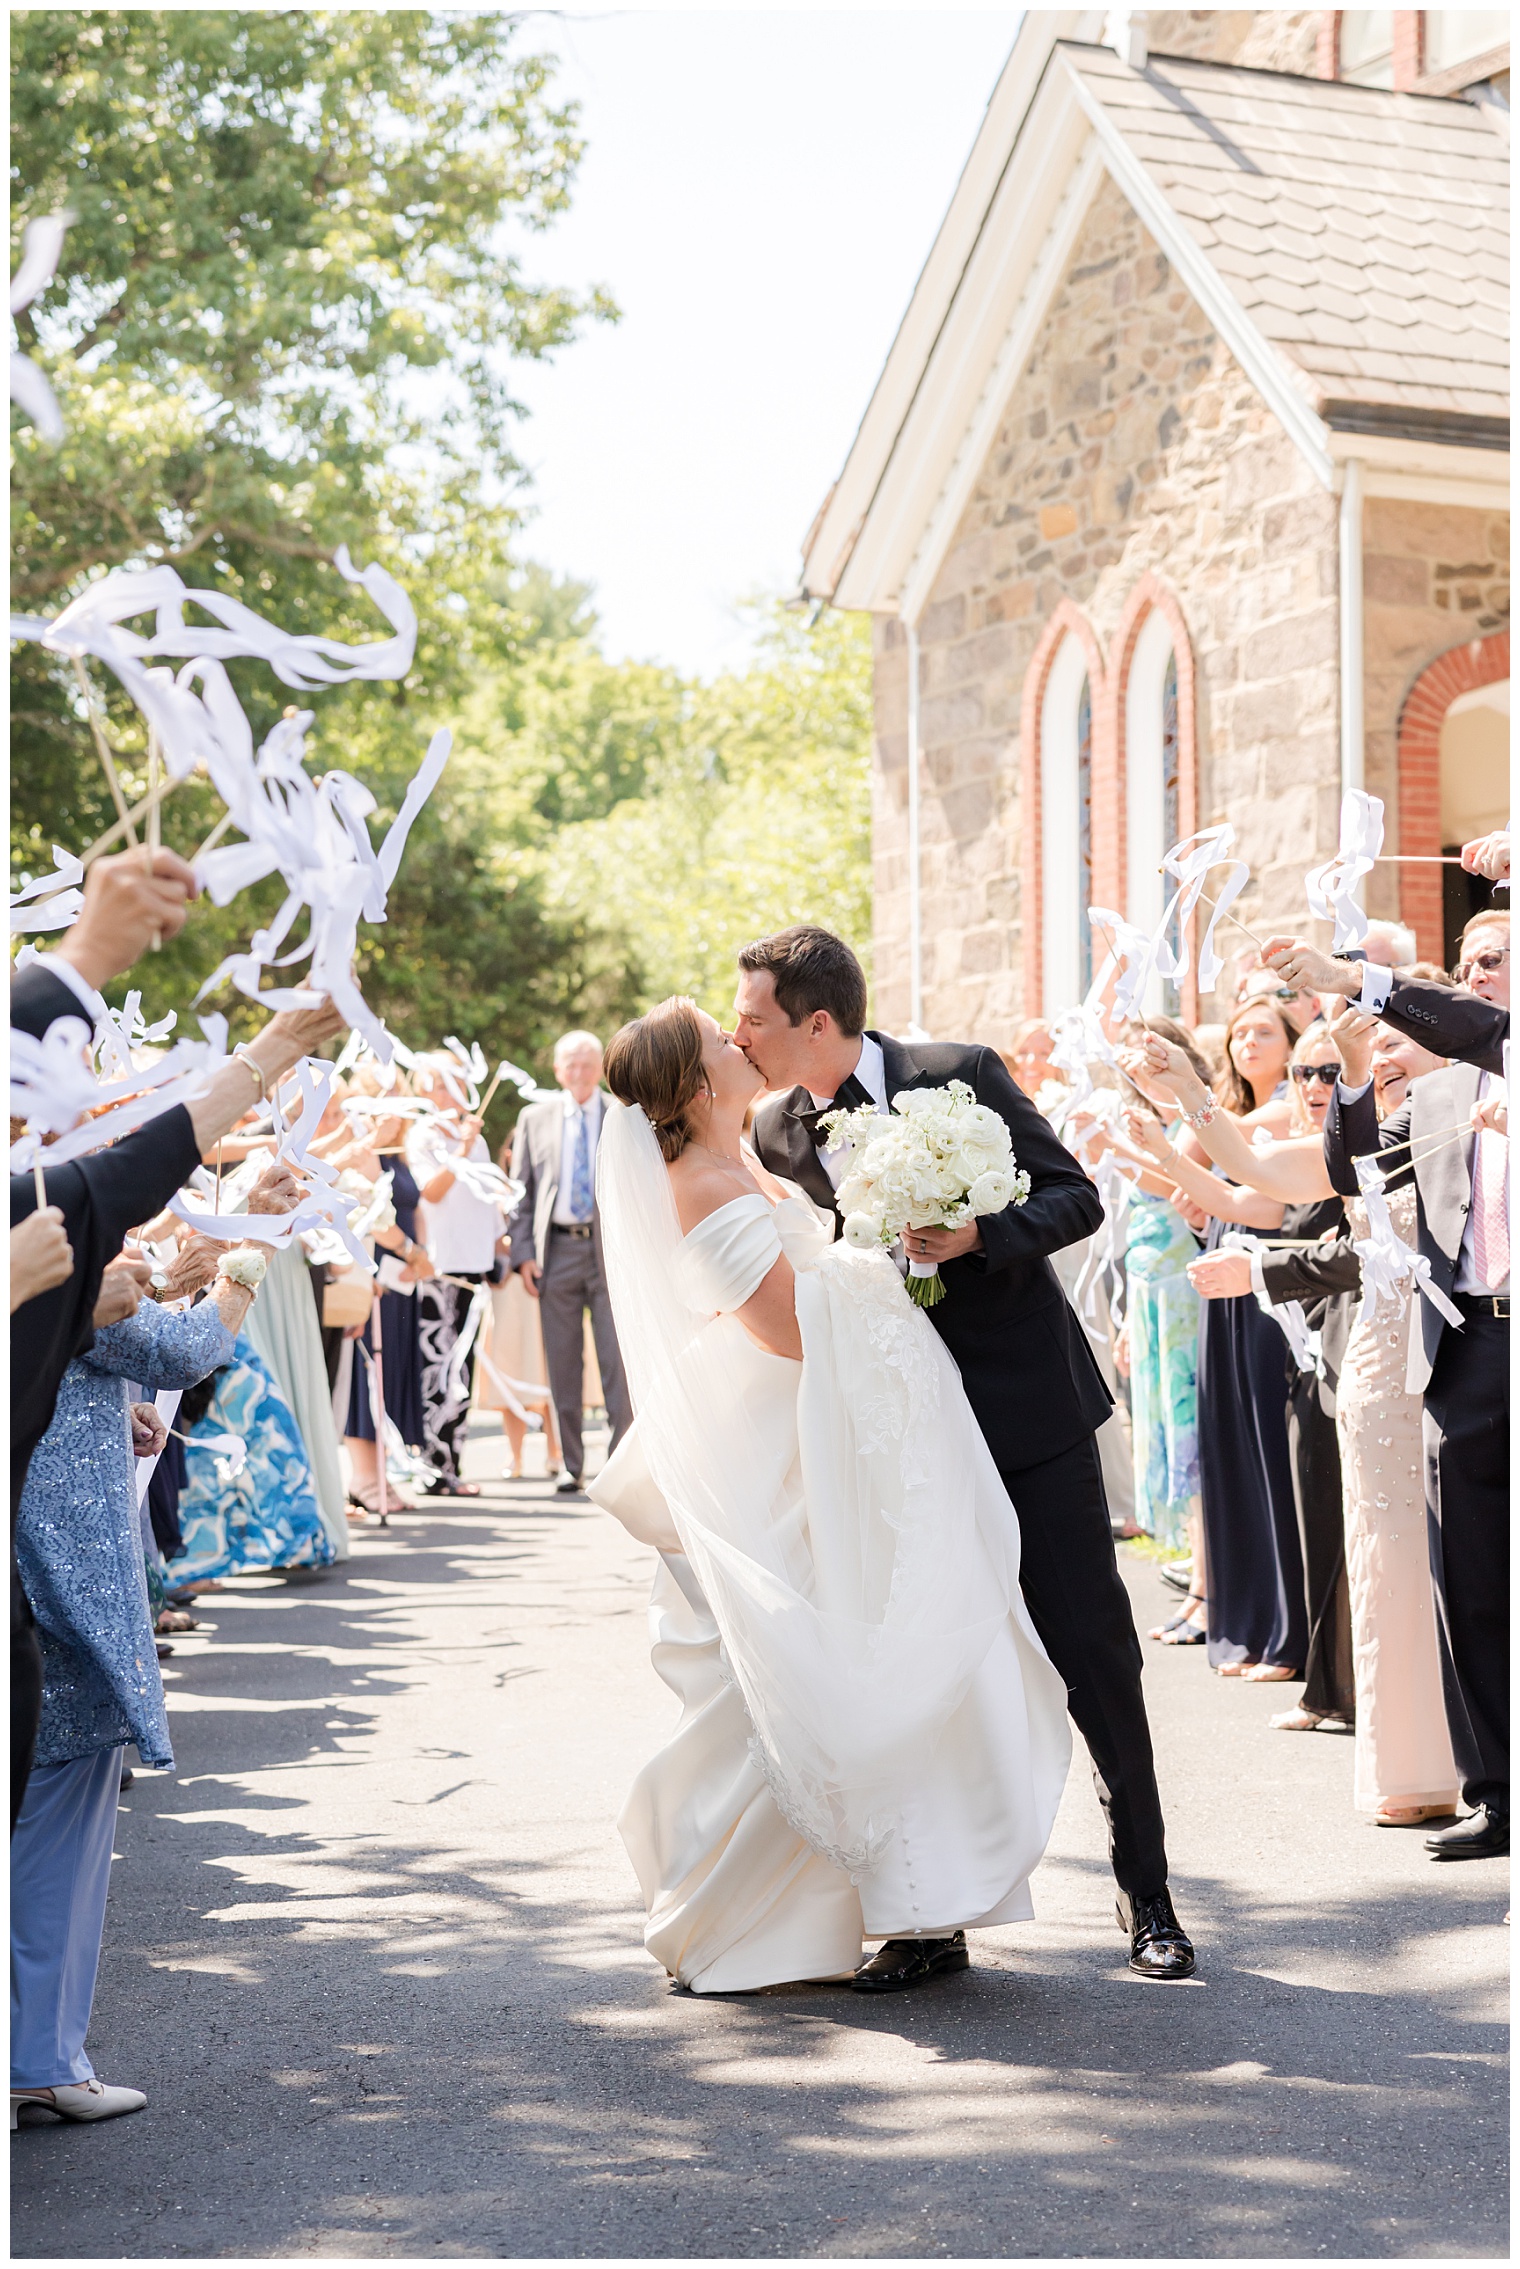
(1411, 1815)
(1234, 1669)
(1191, 1635)
(1183, 1615)
(442, 1485)
(1269, 1673)
(175, 1619)
(1295, 1721)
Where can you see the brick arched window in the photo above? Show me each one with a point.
(1066, 817)
(1461, 669)
(1153, 749)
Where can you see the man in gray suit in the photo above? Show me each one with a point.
(556, 1242)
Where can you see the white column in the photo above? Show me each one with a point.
(1353, 730)
(915, 888)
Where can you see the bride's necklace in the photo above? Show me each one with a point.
(721, 1155)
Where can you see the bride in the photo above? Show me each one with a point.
(872, 1741)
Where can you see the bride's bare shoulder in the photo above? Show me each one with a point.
(700, 1185)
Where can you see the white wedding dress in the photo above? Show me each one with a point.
(872, 1741)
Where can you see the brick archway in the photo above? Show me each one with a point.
(1067, 621)
(1149, 596)
(1483, 661)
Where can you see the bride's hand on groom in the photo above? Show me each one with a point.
(940, 1245)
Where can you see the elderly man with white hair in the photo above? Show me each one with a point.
(556, 1244)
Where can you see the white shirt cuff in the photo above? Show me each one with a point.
(1351, 1094)
(1258, 1281)
(1377, 984)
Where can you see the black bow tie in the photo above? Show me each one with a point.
(851, 1095)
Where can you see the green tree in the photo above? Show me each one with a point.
(284, 320)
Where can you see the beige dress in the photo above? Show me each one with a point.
(1403, 1751)
(513, 1343)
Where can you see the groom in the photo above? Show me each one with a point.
(799, 1016)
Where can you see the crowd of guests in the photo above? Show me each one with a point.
(188, 1408)
(1330, 1468)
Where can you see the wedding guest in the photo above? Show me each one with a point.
(556, 1243)
(1462, 1229)
(512, 1375)
(1029, 1057)
(1256, 1617)
(1332, 1275)
(79, 1547)
(41, 1255)
(459, 1228)
(1159, 1351)
(265, 1515)
(380, 1148)
(1405, 1773)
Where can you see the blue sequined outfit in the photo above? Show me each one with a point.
(79, 1538)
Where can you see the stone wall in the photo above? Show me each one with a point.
(1133, 442)
(1263, 39)
(1436, 576)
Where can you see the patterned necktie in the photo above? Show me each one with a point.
(580, 1178)
(850, 1097)
(1491, 1209)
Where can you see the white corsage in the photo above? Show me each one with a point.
(938, 1160)
(244, 1267)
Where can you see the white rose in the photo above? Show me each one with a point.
(989, 1193)
(861, 1232)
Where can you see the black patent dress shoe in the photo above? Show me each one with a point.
(1159, 1947)
(1482, 1835)
(901, 1962)
(569, 1485)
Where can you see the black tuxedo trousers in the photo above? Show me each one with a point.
(1077, 1602)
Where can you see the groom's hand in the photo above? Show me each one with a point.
(940, 1245)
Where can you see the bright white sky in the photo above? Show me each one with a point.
(759, 192)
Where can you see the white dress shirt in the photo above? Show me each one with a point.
(459, 1229)
(871, 1071)
(591, 1111)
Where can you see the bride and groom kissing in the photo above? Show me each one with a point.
(886, 1570)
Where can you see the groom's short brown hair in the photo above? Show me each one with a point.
(812, 969)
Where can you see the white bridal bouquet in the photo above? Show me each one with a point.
(938, 1160)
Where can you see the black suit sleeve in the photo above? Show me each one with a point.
(1309, 1276)
(1449, 1023)
(1352, 1132)
(39, 999)
(1062, 1207)
(101, 1198)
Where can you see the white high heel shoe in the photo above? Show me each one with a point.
(88, 2099)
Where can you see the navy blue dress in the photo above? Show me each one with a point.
(401, 1353)
(1257, 1609)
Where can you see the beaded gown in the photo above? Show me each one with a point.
(1403, 1750)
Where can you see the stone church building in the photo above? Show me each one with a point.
(1182, 496)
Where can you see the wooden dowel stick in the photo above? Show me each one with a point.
(214, 837)
(104, 842)
(38, 1184)
(153, 832)
(1457, 1126)
(103, 750)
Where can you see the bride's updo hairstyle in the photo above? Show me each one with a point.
(656, 1062)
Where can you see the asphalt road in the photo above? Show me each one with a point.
(375, 1956)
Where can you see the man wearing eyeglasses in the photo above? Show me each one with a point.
(1451, 1136)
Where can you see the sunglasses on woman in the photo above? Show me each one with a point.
(1488, 962)
(1327, 1074)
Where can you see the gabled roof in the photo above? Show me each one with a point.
(1365, 233)
(1349, 245)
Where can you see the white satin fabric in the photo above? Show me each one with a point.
(872, 1740)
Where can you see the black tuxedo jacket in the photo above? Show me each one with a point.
(1029, 1374)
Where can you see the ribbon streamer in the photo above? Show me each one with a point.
(1386, 1260)
(41, 247)
(1332, 888)
(54, 899)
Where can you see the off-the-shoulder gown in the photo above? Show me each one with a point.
(837, 1609)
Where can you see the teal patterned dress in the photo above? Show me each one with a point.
(267, 1515)
(1163, 1374)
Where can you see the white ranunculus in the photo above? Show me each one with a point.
(989, 1193)
(861, 1232)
